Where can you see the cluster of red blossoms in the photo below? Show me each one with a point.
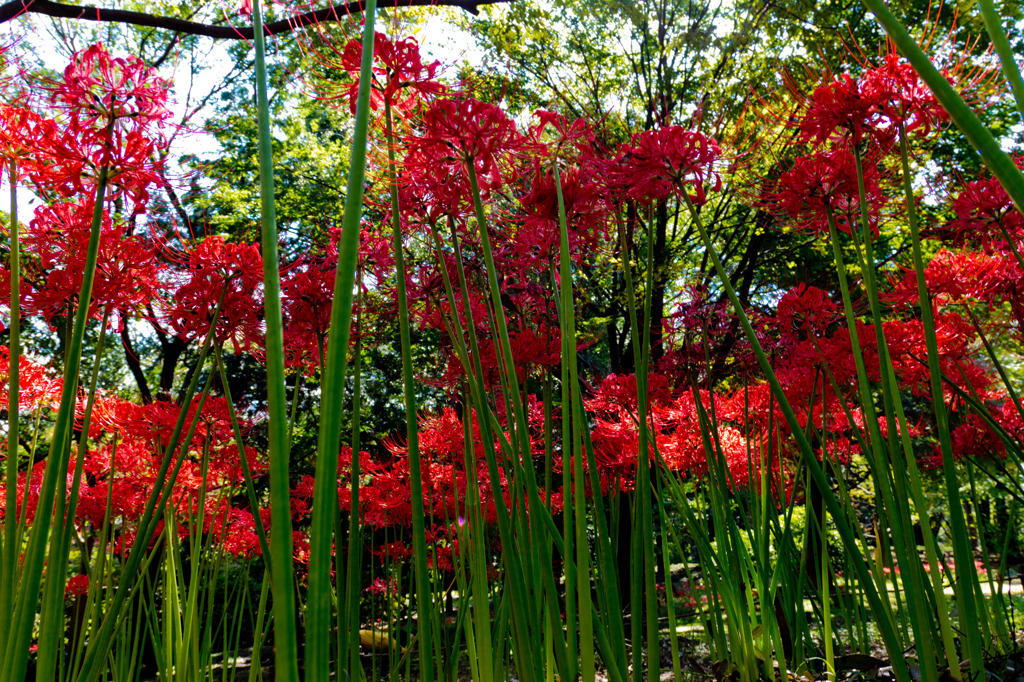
(850, 122)
(455, 151)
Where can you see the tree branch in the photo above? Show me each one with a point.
(135, 366)
(339, 12)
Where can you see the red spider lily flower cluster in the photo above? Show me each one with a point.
(127, 276)
(713, 422)
(844, 119)
(871, 109)
(665, 162)
(101, 88)
(216, 270)
(458, 132)
(109, 110)
(823, 183)
(400, 77)
(985, 216)
(306, 297)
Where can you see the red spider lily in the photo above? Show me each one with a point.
(701, 327)
(387, 500)
(620, 392)
(576, 138)
(441, 437)
(241, 538)
(822, 182)
(616, 447)
(210, 469)
(77, 586)
(840, 109)
(77, 156)
(432, 189)
(29, 485)
(307, 290)
(836, 351)
(900, 97)
(457, 132)
(537, 347)
(805, 310)
(126, 272)
(401, 68)
(968, 277)
(954, 337)
(662, 163)
(110, 104)
(25, 136)
(215, 268)
(37, 389)
(381, 587)
(586, 212)
(100, 88)
(983, 210)
(679, 438)
(64, 159)
(975, 439)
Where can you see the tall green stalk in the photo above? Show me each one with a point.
(572, 445)
(938, 405)
(890, 638)
(51, 629)
(424, 601)
(286, 650)
(525, 618)
(16, 657)
(993, 25)
(9, 564)
(325, 496)
(980, 137)
(349, 597)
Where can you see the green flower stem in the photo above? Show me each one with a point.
(525, 618)
(639, 362)
(480, 633)
(643, 593)
(250, 491)
(51, 629)
(673, 637)
(11, 538)
(885, 625)
(938, 405)
(994, 27)
(474, 378)
(348, 606)
(424, 599)
(325, 495)
(872, 435)
(568, 332)
(96, 657)
(16, 657)
(610, 631)
(286, 649)
(980, 137)
(910, 565)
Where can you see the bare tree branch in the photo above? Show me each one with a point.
(339, 12)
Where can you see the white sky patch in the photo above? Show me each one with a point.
(441, 39)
